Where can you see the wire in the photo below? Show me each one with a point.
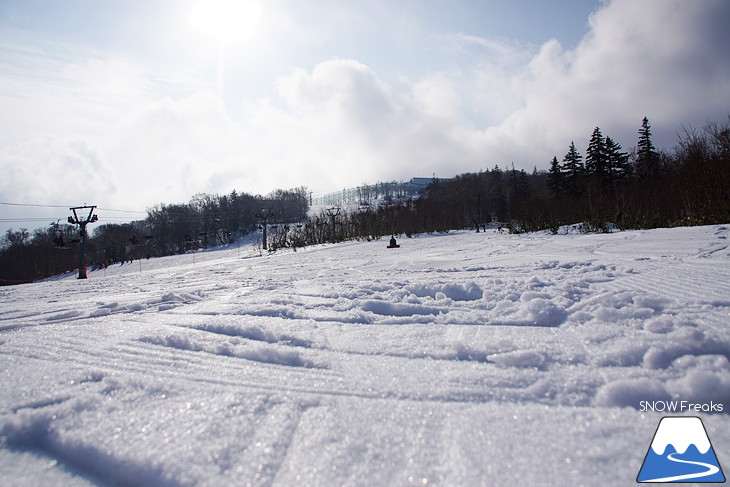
(46, 218)
(18, 220)
(35, 206)
(122, 211)
(68, 207)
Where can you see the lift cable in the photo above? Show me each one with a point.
(35, 206)
(69, 206)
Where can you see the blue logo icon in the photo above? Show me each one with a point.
(681, 452)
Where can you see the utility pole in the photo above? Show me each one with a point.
(264, 214)
(75, 220)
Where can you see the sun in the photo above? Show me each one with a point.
(227, 21)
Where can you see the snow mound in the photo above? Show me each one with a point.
(268, 355)
(456, 292)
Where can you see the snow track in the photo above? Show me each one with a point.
(459, 359)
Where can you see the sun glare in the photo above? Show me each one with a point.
(227, 21)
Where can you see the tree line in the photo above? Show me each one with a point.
(636, 188)
(602, 188)
(205, 221)
(641, 188)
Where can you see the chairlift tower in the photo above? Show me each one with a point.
(82, 222)
(333, 213)
(264, 214)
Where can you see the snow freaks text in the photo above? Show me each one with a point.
(680, 406)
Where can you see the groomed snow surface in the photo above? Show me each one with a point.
(464, 359)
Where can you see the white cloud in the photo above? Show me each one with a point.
(345, 124)
(172, 149)
(55, 171)
(437, 96)
(663, 59)
(352, 127)
(51, 94)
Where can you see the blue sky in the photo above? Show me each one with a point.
(130, 104)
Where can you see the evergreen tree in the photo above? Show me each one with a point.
(647, 158)
(596, 157)
(574, 170)
(523, 185)
(498, 199)
(555, 180)
(519, 185)
(617, 161)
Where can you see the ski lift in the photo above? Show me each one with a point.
(57, 237)
(59, 241)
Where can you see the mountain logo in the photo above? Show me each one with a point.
(681, 452)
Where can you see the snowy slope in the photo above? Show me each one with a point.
(458, 359)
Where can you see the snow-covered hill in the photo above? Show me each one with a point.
(455, 360)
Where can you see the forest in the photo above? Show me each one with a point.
(603, 188)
